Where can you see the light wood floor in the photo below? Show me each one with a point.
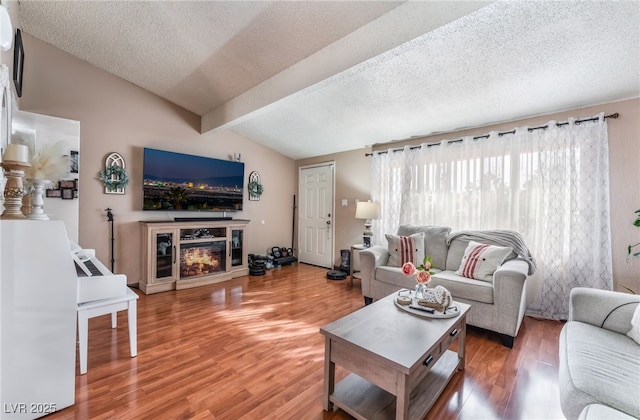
(251, 349)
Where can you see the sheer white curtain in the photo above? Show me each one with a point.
(392, 177)
(550, 185)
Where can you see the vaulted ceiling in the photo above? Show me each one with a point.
(309, 78)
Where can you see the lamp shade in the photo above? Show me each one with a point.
(367, 210)
(6, 30)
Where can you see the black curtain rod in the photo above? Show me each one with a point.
(502, 133)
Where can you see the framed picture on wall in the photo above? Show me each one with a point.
(18, 62)
(67, 193)
(68, 183)
(75, 162)
(54, 193)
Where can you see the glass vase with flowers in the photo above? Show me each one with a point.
(422, 274)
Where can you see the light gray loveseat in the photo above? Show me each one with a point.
(496, 305)
(599, 374)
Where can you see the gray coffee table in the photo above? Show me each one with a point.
(400, 362)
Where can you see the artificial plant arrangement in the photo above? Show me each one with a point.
(422, 272)
(255, 188)
(50, 162)
(114, 177)
(630, 248)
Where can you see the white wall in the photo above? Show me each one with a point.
(36, 131)
(117, 116)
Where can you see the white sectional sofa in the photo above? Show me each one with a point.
(599, 374)
(497, 302)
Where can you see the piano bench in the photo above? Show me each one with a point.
(102, 307)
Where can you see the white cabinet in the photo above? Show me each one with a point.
(38, 288)
(180, 255)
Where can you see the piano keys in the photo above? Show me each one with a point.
(95, 281)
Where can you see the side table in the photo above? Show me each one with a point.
(354, 269)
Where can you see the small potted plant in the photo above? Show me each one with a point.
(630, 248)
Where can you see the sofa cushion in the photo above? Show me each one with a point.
(435, 242)
(600, 412)
(480, 261)
(403, 249)
(598, 366)
(462, 287)
(458, 246)
(634, 332)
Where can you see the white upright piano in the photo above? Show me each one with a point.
(44, 280)
(38, 292)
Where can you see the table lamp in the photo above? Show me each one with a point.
(368, 211)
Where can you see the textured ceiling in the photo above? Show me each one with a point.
(318, 77)
(197, 54)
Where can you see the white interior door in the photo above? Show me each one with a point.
(315, 215)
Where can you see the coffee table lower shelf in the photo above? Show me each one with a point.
(364, 400)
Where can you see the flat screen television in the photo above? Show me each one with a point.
(180, 182)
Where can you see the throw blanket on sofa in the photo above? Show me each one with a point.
(502, 237)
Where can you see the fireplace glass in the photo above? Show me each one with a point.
(202, 258)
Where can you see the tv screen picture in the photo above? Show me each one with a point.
(179, 182)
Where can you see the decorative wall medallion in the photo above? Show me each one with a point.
(114, 176)
(255, 186)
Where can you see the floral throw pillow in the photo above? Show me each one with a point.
(480, 261)
(403, 249)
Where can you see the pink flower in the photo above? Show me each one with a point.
(408, 269)
(423, 277)
(422, 272)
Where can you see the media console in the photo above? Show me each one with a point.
(192, 252)
(201, 219)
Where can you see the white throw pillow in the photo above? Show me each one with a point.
(634, 332)
(480, 261)
(404, 249)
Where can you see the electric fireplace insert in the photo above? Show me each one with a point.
(202, 258)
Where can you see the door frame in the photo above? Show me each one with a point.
(332, 164)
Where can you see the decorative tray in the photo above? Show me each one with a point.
(416, 309)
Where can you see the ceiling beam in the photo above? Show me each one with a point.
(402, 24)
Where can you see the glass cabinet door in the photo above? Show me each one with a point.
(165, 255)
(237, 239)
